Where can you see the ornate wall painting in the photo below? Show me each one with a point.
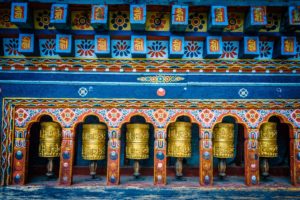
(193, 49)
(119, 21)
(235, 22)
(297, 56)
(85, 49)
(266, 50)
(42, 20)
(230, 50)
(158, 21)
(5, 19)
(81, 20)
(273, 25)
(197, 22)
(47, 48)
(157, 49)
(10, 47)
(120, 49)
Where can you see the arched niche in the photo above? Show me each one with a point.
(37, 166)
(279, 166)
(190, 166)
(81, 171)
(146, 165)
(235, 166)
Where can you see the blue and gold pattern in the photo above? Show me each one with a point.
(160, 79)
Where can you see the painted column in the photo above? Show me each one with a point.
(206, 157)
(113, 156)
(295, 157)
(66, 156)
(160, 156)
(20, 156)
(251, 157)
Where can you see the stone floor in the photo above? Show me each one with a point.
(86, 188)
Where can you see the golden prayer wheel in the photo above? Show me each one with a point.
(50, 140)
(137, 139)
(179, 140)
(93, 141)
(267, 141)
(223, 140)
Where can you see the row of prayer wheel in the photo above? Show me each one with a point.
(137, 143)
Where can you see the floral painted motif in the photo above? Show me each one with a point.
(67, 115)
(47, 47)
(121, 49)
(230, 50)
(193, 49)
(296, 116)
(114, 115)
(11, 47)
(158, 21)
(81, 20)
(160, 115)
(21, 115)
(197, 22)
(5, 19)
(266, 50)
(119, 21)
(42, 20)
(235, 22)
(252, 116)
(273, 25)
(206, 116)
(84, 48)
(157, 49)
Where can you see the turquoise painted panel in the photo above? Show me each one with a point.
(121, 49)
(266, 50)
(19, 13)
(85, 49)
(26, 43)
(157, 49)
(10, 47)
(230, 50)
(47, 48)
(297, 56)
(193, 49)
(59, 13)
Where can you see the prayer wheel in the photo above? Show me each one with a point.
(179, 140)
(267, 141)
(179, 144)
(50, 142)
(93, 145)
(223, 145)
(93, 141)
(137, 139)
(267, 146)
(137, 148)
(223, 140)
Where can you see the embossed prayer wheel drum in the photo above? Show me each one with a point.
(137, 140)
(93, 141)
(50, 140)
(223, 140)
(267, 141)
(179, 140)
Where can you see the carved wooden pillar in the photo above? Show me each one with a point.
(295, 157)
(206, 157)
(160, 156)
(20, 156)
(113, 156)
(251, 157)
(66, 156)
